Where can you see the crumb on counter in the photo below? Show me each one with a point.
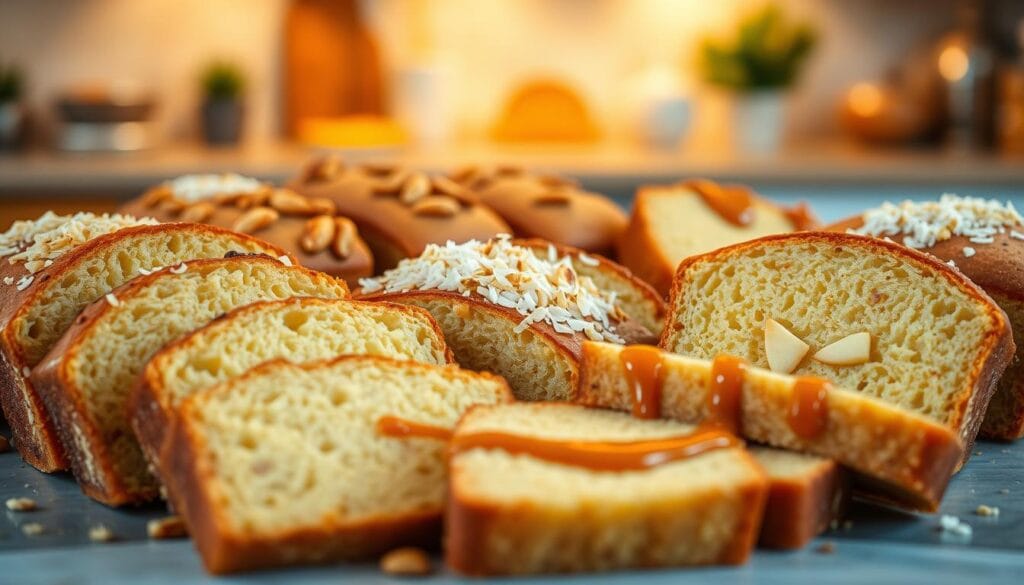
(22, 505)
(32, 529)
(954, 526)
(169, 527)
(409, 561)
(984, 510)
(101, 533)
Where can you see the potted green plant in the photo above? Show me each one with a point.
(12, 111)
(223, 111)
(755, 67)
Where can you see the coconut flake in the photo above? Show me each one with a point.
(179, 269)
(969, 251)
(112, 300)
(509, 276)
(192, 188)
(924, 224)
(284, 259)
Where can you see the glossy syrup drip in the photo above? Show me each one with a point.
(724, 393)
(393, 426)
(808, 407)
(643, 367)
(602, 455)
(733, 204)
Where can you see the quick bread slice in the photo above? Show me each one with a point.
(65, 263)
(899, 456)
(85, 379)
(299, 330)
(937, 343)
(637, 298)
(504, 310)
(258, 490)
(525, 496)
(672, 222)
(806, 494)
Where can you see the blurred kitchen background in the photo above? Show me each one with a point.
(829, 100)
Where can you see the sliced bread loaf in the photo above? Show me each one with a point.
(806, 494)
(504, 310)
(299, 330)
(900, 456)
(642, 303)
(259, 490)
(86, 377)
(57, 265)
(544, 488)
(911, 330)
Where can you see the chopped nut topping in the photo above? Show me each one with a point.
(436, 206)
(345, 237)
(553, 198)
(318, 234)
(198, 212)
(416, 187)
(255, 219)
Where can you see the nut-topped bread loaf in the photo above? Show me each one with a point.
(309, 228)
(54, 266)
(258, 490)
(86, 377)
(299, 330)
(399, 211)
(984, 240)
(901, 457)
(505, 310)
(548, 207)
(546, 488)
(642, 303)
(870, 315)
(672, 222)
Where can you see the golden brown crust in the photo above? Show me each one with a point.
(79, 432)
(193, 493)
(473, 526)
(392, 228)
(995, 351)
(998, 268)
(643, 290)
(286, 232)
(909, 457)
(799, 509)
(550, 208)
(149, 410)
(34, 431)
(639, 251)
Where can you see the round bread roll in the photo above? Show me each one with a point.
(399, 211)
(997, 266)
(547, 207)
(308, 229)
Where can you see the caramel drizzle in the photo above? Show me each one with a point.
(725, 391)
(400, 428)
(642, 364)
(602, 455)
(808, 407)
(733, 204)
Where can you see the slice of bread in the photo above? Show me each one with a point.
(938, 343)
(33, 318)
(258, 490)
(672, 222)
(981, 238)
(806, 494)
(518, 513)
(901, 457)
(299, 330)
(86, 377)
(638, 300)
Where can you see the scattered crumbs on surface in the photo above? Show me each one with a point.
(32, 529)
(969, 251)
(408, 560)
(955, 527)
(22, 505)
(978, 453)
(5, 445)
(101, 533)
(169, 527)
(984, 510)
(1004, 492)
(826, 548)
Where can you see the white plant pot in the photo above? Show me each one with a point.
(758, 120)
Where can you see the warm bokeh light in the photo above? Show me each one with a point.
(953, 63)
(866, 99)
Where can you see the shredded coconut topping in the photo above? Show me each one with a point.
(179, 269)
(39, 242)
(924, 224)
(112, 300)
(192, 188)
(513, 277)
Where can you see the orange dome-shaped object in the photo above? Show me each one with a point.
(545, 111)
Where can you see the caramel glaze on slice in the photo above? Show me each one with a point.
(642, 364)
(594, 455)
(808, 407)
(734, 204)
(724, 393)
